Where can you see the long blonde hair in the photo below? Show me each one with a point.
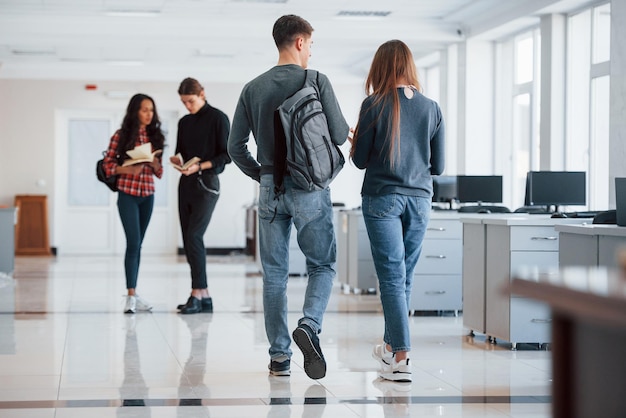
(393, 63)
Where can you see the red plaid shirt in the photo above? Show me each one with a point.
(140, 185)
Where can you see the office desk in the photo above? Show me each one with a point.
(495, 246)
(588, 338)
(590, 244)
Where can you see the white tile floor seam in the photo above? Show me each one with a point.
(67, 350)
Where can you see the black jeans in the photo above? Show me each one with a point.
(135, 213)
(197, 197)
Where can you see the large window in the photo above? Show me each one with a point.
(587, 126)
(518, 110)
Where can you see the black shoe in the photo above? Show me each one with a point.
(207, 304)
(280, 368)
(179, 307)
(309, 343)
(193, 306)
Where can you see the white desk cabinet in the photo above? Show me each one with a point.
(515, 244)
(355, 266)
(590, 245)
(473, 280)
(437, 277)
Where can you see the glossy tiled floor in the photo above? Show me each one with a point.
(67, 350)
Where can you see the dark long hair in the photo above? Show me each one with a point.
(129, 131)
(392, 62)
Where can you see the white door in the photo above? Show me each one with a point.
(86, 217)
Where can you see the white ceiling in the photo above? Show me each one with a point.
(231, 40)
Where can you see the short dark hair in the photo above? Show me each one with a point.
(287, 28)
(190, 86)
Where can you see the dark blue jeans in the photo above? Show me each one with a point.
(135, 213)
(196, 202)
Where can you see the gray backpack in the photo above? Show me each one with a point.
(302, 140)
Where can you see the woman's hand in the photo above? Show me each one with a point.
(131, 170)
(192, 169)
(351, 136)
(155, 164)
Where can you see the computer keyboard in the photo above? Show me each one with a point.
(583, 214)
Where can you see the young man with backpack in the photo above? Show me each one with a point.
(279, 207)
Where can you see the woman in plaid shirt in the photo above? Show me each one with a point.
(136, 184)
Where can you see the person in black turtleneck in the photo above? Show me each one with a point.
(202, 134)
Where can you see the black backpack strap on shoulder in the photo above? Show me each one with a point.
(280, 155)
(280, 159)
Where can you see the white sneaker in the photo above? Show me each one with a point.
(380, 353)
(397, 371)
(131, 304)
(142, 304)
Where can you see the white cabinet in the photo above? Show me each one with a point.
(355, 266)
(514, 245)
(474, 241)
(591, 245)
(437, 276)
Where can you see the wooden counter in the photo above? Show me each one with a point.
(588, 338)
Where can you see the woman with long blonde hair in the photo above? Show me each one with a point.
(399, 141)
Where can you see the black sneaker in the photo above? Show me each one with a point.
(309, 343)
(280, 368)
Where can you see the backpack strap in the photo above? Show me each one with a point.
(311, 79)
(280, 155)
(280, 140)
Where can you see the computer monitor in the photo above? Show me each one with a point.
(620, 200)
(444, 189)
(479, 189)
(556, 188)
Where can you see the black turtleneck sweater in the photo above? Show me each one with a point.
(204, 135)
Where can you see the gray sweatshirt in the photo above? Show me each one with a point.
(422, 136)
(255, 113)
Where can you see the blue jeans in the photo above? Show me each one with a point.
(135, 213)
(196, 202)
(312, 215)
(396, 225)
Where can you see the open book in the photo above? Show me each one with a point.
(184, 164)
(141, 154)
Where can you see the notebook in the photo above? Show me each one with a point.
(620, 200)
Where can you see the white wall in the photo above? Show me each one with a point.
(27, 142)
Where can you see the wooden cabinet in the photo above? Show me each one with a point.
(31, 232)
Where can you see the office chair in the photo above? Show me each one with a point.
(532, 209)
(606, 217)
